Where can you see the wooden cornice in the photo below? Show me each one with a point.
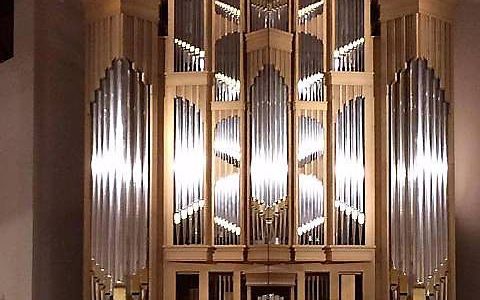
(393, 9)
(269, 38)
(99, 9)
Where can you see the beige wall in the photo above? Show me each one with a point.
(467, 148)
(58, 150)
(41, 154)
(16, 160)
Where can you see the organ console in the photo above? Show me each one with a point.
(268, 150)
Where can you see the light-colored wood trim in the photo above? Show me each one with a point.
(99, 9)
(350, 253)
(394, 9)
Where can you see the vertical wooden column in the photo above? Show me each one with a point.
(410, 29)
(300, 285)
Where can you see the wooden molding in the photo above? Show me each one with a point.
(264, 253)
(277, 279)
(309, 253)
(229, 253)
(350, 253)
(99, 9)
(393, 9)
(269, 38)
(188, 253)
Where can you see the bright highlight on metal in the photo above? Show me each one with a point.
(350, 173)
(188, 168)
(269, 158)
(120, 165)
(418, 176)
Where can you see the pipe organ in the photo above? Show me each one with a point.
(268, 149)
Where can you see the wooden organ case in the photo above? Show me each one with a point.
(268, 149)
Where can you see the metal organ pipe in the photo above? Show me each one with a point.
(317, 286)
(310, 84)
(418, 175)
(189, 50)
(120, 168)
(310, 187)
(350, 173)
(189, 165)
(222, 288)
(269, 158)
(270, 297)
(269, 14)
(227, 185)
(308, 10)
(349, 36)
(227, 68)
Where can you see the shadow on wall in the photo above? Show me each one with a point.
(467, 147)
(6, 30)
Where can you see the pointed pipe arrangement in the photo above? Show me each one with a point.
(269, 158)
(418, 177)
(120, 166)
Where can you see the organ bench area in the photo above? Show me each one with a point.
(268, 150)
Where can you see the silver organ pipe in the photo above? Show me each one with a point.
(188, 167)
(120, 169)
(418, 175)
(350, 173)
(227, 68)
(269, 158)
(308, 10)
(229, 9)
(227, 183)
(317, 286)
(270, 297)
(311, 214)
(189, 50)
(221, 286)
(311, 82)
(269, 14)
(349, 36)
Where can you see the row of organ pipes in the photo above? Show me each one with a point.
(308, 9)
(349, 36)
(227, 67)
(120, 180)
(311, 205)
(270, 297)
(189, 50)
(418, 177)
(310, 85)
(188, 167)
(350, 173)
(317, 286)
(227, 151)
(269, 158)
(221, 286)
(269, 14)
